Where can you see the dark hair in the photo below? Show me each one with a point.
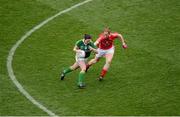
(87, 36)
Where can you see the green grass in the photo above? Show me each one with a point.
(142, 80)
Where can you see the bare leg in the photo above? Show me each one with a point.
(74, 66)
(91, 62)
(109, 58)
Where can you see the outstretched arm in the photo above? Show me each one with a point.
(93, 49)
(122, 40)
(96, 43)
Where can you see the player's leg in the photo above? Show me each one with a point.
(69, 69)
(91, 62)
(82, 65)
(108, 57)
(95, 59)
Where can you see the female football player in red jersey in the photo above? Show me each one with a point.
(106, 49)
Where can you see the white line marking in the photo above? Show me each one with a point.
(13, 49)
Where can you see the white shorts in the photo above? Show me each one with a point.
(102, 52)
(80, 59)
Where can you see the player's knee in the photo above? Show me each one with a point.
(94, 61)
(83, 70)
(72, 68)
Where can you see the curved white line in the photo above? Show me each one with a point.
(13, 49)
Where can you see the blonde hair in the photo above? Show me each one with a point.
(107, 29)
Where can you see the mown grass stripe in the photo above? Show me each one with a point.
(16, 45)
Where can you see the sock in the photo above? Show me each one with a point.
(81, 77)
(103, 72)
(67, 70)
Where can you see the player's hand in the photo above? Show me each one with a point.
(124, 46)
(95, 51)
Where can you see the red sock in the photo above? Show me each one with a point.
(103, 72)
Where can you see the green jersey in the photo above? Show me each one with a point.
(85, 47)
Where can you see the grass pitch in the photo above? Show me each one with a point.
(142, 80)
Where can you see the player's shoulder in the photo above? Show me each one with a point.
(91, 43)
(101, 35)
(79, 41)
(115, 34)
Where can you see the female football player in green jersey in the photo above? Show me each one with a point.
(83, 50)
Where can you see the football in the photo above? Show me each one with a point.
(81, 54)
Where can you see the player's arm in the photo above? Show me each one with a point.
(96, 43)
(93, 47)
(76, 49)
(122, 40)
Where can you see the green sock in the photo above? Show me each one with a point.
(81, 77)
(67, 70)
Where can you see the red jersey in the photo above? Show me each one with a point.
(106, 43)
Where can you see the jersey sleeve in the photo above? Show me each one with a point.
(78, 43)
(92, 45)
(115, 35)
